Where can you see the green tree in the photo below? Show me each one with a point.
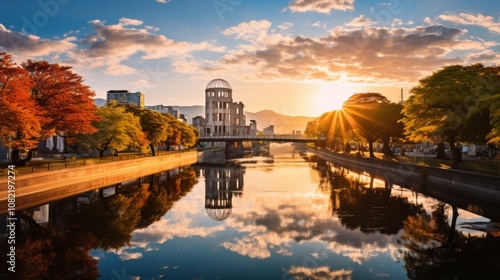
(494, 108)
(390, 127)
(365, 112)
(491, 100)
(154, 125)
(117, 129)
(189, 135)
(174, 132)
(443, 102)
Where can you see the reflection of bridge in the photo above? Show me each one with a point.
(270, 138)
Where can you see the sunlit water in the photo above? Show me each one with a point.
(290, 218)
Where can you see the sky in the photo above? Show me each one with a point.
(295, 57)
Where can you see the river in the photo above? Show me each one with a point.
(287, 215)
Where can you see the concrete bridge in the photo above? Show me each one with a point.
(235, 146)
(268, 138)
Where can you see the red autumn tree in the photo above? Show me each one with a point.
(66, 101)
(40, 100)
(22, 118)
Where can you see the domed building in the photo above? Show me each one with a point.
(222, 115)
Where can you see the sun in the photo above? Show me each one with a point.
(332, 96)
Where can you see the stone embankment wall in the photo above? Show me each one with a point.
(482, 187)
(212, 156)
(35, 188)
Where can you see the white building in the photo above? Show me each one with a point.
(222, 115)
(165, 110)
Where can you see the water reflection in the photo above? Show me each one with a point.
(53, 241)
(221, 184)
(432, 245)
(288, 218)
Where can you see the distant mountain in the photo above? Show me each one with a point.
(191, 111)
(282, 123)
(100, 102)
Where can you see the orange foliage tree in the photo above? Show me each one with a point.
(21, 116)
(40, 100)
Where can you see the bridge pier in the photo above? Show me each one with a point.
(235, 149)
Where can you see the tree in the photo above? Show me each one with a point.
(21, 116)
(491, 101)
(189, 135)
(333, 125)
(66, 101)
(390, 125)
(154, 125)
(58, 103)
(365, 111)
(174, 133)
(443, 102)
(116, 129)
(494, 108)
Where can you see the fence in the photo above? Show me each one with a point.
(43, 165)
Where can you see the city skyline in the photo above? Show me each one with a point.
(293, 57)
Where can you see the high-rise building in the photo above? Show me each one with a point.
(126, 97)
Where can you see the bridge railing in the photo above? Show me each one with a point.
(266, 137)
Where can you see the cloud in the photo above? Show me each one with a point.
(321, 6)
(487, 55)
(369, 55)
(319, 24)
(487, 22)
(322, 272)
(252, 30)
(128, 21)
(361, 21)
(109, 46)
(32, 46)
(142, 83)
(256, 34)
(125, 256)
(162, 1)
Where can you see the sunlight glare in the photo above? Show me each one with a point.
(332, 96)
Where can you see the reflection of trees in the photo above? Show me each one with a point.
(113, 219)
(360, 204)
(435, 250)
(60, 250)
(165, 189)
(43, 253)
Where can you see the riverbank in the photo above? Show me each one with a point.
(35, 188)
(485, 188)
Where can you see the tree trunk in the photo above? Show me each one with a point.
(17, 160)
(15, 156)
(347, 148)
(386, 149)
(152, 149)
(456, 154)
(440, 151)
(370, 148)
